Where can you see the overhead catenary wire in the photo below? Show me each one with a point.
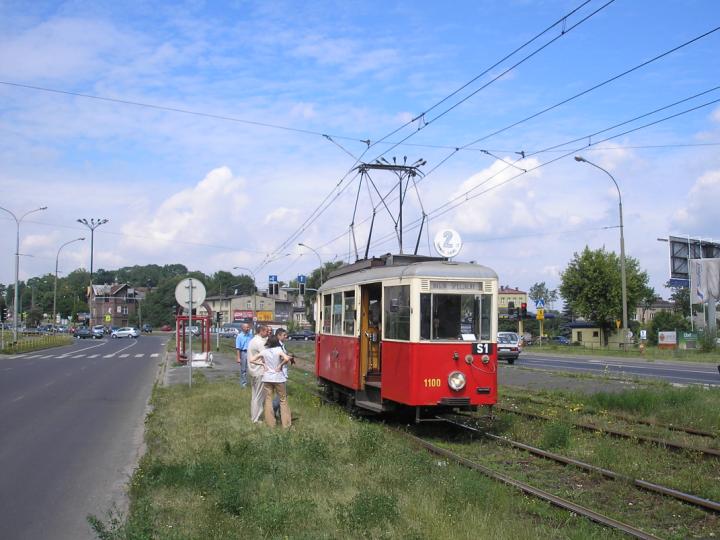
(324, 205)
(588, 137)
(466, 197)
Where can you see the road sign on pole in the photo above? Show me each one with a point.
(540, 314)
(540, 303)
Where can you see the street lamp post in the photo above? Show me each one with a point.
(622, 251)
(92, 225)
(254, 292)
(319, 259)
(17, 263)
(57, 257)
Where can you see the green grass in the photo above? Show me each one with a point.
(34, 343)
(209, 473)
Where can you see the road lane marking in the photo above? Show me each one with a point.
(108, 356)
(18, 398)
(154, 355)
(124, 355)
(78, 356)
(677, 369)
(124, 348)
(139, 355)
(49, 356)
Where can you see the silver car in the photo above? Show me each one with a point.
(509, 347)
(127, 331)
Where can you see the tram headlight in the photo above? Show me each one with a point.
(456, 380)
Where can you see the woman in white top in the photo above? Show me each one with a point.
(274, 378)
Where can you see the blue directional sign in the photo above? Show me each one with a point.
(272, 278)
(540, 303)
(302, 279)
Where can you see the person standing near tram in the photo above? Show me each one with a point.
(241, 346)
(256, 369)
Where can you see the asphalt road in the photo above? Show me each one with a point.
(71, 424)
(673, 372)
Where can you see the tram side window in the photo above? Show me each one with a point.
(485, 316)
(349, 313)
(337, 313)
(397, 312)
(327, 310)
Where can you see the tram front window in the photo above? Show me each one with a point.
(455, 316)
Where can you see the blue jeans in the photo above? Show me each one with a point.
(243, 368)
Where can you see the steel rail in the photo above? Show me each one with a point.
(708, 452)
(530, 490)
(653, 423)
(642, 484)
(525, 488)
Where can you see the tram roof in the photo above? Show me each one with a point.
(389, 267)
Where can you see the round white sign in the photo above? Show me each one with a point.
(183, 289)
(448, 243)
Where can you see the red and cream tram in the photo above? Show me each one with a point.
(405, 331)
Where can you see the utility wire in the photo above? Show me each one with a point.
(179, 110)
(465, 197)
(592, 88)
(485, 72)
(324, 205)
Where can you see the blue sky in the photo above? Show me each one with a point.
(213, 193)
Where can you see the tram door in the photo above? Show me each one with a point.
(370, 328)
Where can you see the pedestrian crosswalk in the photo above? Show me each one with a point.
(82, 355)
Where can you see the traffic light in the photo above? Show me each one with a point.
(3, 314)
(511, 309)
(218, 317)
(301, 286)
(523, 310)
(275, 289)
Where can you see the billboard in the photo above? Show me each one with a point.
(682, 250)
(704, 280)
(242, 314)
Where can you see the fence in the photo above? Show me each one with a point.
(27, 343)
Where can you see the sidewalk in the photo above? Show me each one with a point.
(224, 366)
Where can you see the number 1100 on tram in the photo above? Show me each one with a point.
(403, 332)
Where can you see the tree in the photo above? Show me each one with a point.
(681, 297)
(539, 291)
(591, 286)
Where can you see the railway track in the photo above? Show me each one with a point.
(706, 505)
(687, 498)
(704, 452)
(630, 419)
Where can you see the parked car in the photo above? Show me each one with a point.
(166, 328)
(126, 331)
(508, 347)
(85, 332)
(147, 328)
(560, 340)
(304, 335)
(98, 330)
(229, 332)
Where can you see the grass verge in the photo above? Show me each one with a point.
(210, 473)
(35, 343)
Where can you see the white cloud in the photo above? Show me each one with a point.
(700, 213)
(195, 214)
(715, 116)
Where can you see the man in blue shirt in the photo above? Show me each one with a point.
(241, 345)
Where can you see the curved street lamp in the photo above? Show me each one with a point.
(319, 259)
(57, 257)
(622, 250)
(17, 262)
